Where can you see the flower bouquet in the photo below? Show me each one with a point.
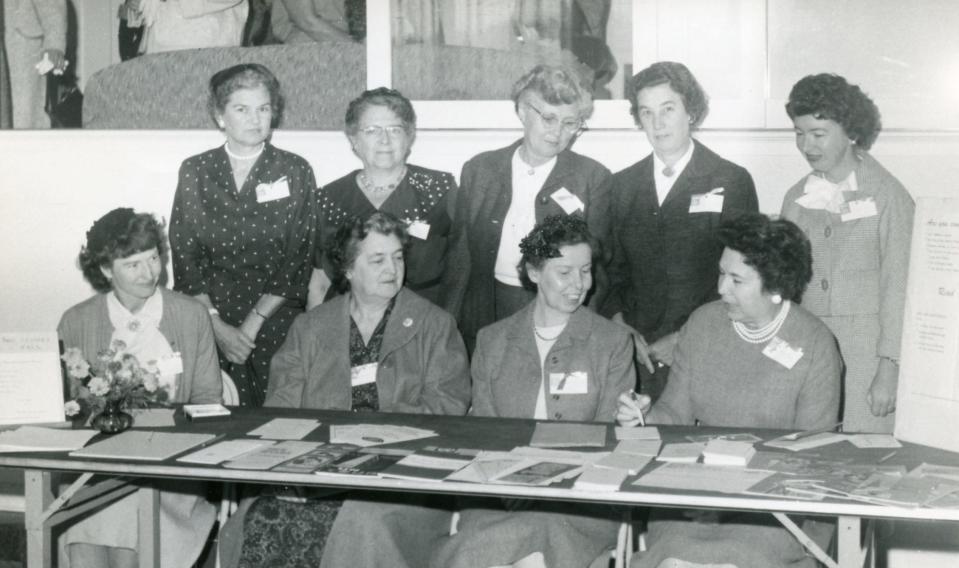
(116, 383)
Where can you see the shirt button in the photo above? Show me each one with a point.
(558, 415)
(555, 397)
(828, 232)
(543, 200)
(554, 360)
(825, 284)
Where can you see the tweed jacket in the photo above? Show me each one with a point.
(480, 208)
(507, 374)
(38, 18)
(184, 323)
(664, 258)
(422, 368)
(860, 267)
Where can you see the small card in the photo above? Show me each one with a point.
(638, 447)
(684, 452)
(273, 191)
(860, 209)
(363, 374)
(171, 364)
(153, 417)
(419, 229)
(568, 435)
(567, 201)
(711, 202)
(600, 479)
(568, 383)
(637, 433)
(630, 463)
(874, 441)
(286, 428)
(781, 352)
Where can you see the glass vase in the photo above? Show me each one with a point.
(113, 419)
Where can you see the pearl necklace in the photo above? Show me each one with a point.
(766, 332)
(542, 337)
(368, 186)
(244, 158)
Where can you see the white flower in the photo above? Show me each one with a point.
(71, 408)
(151, 382)
(98, 386)
(77, 367)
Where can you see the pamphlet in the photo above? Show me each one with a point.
(31, 383)
(144, 445)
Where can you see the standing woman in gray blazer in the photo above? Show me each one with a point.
(859, 219)
(505, 192)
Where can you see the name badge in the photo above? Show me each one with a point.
(273, 191)
(860, 209)
(363, 374)
(419, 229)
(711, 202)
(568, 383)
(568, 201)
(783, 353)
(171, 364)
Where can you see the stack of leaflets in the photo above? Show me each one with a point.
(726, 452)
(682, 452)
(430, 464)
(595, 478)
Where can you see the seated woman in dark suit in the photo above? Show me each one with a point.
(753, 359)
(505, 192)
(552, 360)
(123, 260)
(665, 211)
(377, 347)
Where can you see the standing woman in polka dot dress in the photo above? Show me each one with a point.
(242, 228)
(381, 127)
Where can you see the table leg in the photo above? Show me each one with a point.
(149, 541)
(38, 495)
(851, 550)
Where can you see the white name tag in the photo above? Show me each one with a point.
(363, 374)
(860, 209)
(170, 365)
(782, 353)
(272, 191)
(568, 201)
(568, 383)
(419, 229)
(711, 202)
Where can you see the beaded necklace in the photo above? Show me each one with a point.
(766, 332)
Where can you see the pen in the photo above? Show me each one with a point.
(886, 457)
(635, 397)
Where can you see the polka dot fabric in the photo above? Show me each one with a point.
(422, 195)
(229, 246)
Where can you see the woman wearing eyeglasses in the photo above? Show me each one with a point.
(666, 210)
(381, 127)
(505, 192)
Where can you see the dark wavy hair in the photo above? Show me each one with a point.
(119, 234)
(680, 79)
(381, 96)
(557, 85)
(776, 248)
(345, 245)
(244, 76)
(829, 96)
(545, 240)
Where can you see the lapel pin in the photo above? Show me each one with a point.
(407, 322)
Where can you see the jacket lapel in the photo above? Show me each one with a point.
(682, 190)
(498, 186)
(401, 328)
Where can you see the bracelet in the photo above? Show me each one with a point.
(213, 312)
(257, 312)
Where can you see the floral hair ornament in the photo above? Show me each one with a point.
(104, 231)
(544, 241)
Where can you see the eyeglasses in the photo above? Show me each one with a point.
(377, 131)
(551, 121)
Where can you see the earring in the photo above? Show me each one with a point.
(777, 299)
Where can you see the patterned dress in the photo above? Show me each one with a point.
(422, 199)
(234, 248)
(290, 533)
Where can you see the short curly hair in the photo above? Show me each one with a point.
(829, 96)
(381, 96)
(680, 79)
(557, 85)
(227, 81)
(776, 248)
(118, 234)
(345, 245)
(545, 240)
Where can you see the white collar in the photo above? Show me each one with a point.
(680, 164)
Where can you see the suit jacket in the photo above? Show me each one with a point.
(665, 259)
(184, 323)
(507, 374)
(422, 367)
(480, 208)
(38, 18)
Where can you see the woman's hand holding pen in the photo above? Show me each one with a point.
(631, 408)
